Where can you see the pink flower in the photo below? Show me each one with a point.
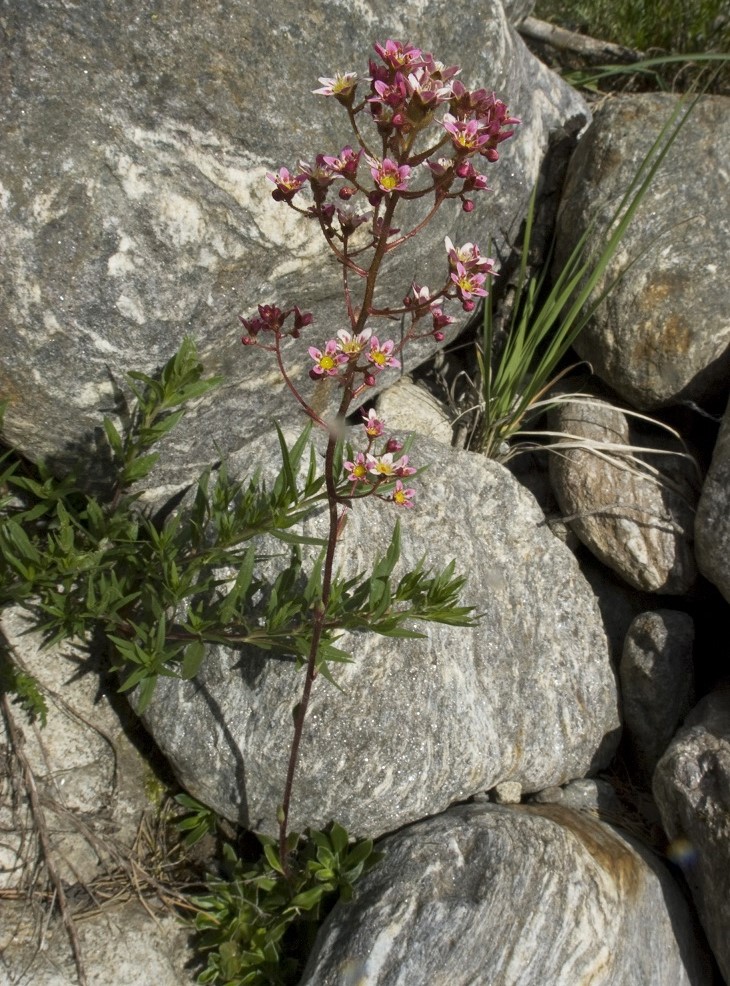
(390, 94)
(287, 185)
(380, 465)
(342, 85)
(383, 465)
(466, 135)
(419, 297)
(349, 216)
(468, 283)
(401, 496)
(357, 469)
(398, 55)
(440, 167)
(402, 468)
(388, 176)
(350, 344)
(345, 164)
(374, 427)
(381, 356)
(326, 363)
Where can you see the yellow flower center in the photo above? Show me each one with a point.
(377, 357)
(384, 468)
(327, 363)
(388, 181)
(400, 497)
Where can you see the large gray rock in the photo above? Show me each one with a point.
(493, 896)
(626, 492)
(638, 522)
(663, 334)
(712, 523)
(136, 140)
(527, 695)
(692, 790)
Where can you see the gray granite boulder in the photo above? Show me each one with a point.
(663, 334)
(486, 895)
(692, 790)
(712, 523)
(637, 517)
(527, 695)
(136, 141)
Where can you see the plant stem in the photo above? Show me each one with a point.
(318, 623)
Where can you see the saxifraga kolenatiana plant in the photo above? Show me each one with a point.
(156, 588)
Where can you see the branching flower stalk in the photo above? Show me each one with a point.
(415, 154)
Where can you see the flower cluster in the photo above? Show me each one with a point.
(432, 136)
(407, 87)
(350, 355)
(369, 470)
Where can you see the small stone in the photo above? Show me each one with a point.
(507, 793)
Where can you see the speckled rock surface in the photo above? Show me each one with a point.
(89, 775)
(408, 407)
(661, 337)
(487, 895)
(712, 523)
(692, 790)
(121, 945)
(637, 523)
(135, 209)
(527, 695)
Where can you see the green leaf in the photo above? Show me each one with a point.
(114, 438)
(308, 899)
(273, 858)
(139, 468)
(192, 659)
(145, 693)
(339, 838)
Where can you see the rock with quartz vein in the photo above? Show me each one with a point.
(486, 895)
(135, 207)
(526, 695)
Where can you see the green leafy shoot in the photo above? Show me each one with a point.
(545, 322)
(255, 924)
(197, 820)
(160, 405)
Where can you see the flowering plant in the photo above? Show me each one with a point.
(431, 135)
(161, 587)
